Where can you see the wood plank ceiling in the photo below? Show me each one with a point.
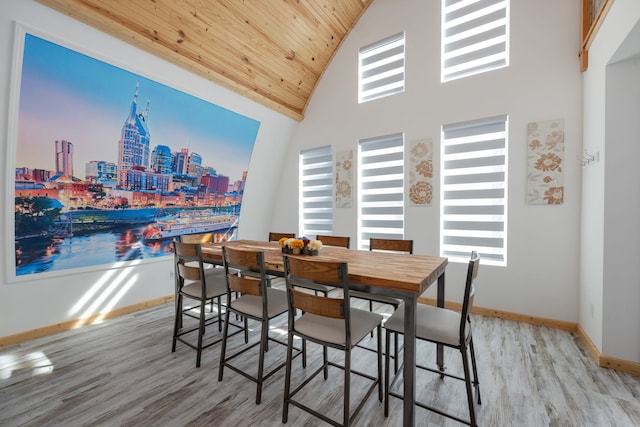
(272, 51)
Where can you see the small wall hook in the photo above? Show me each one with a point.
(588, 158)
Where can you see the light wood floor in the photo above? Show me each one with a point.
(122, 373)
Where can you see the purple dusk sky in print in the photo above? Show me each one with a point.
(69, 96)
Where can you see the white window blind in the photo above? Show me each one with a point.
(475, 37)
(381, 68)
(381, 188)
(316, 192)
(474, 190)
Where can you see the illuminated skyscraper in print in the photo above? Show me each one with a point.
(64, 158)
(161, 159)
(133, 147)
(181, 161)
(195, 164)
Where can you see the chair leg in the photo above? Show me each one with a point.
(304, 353)
(476, 383)
(236, 297)
(203, 306)
(396, 344)
(467, 382)
(287, 377)
(386, 372)
(324, 361)
(264, 339)
(379, 333)
(219, 314)
(223, 346)
(347, 384)
(177, 323)
(371, 310)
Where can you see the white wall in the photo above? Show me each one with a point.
(543, 82)
(611, 200)
(46, 300)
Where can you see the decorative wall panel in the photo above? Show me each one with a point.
(421, 173)
(545, 157)
(344, 179)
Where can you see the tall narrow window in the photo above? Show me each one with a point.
(475, 37)
(381, 188)
(316, 192)
(474, 190)
(381, 69)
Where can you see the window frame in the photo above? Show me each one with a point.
(322, 193)
(387, 52)
(470, 167)
(459, 39)
(378, 214)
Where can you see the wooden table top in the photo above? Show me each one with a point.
(393, 271)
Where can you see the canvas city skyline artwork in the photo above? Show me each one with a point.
(111, 166)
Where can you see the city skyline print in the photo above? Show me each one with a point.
(111, 166)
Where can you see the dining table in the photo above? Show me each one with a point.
(398, 275)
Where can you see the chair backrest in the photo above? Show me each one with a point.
(197, 238)
(391, 245)
(274, 237)
(469, 293)
(339, 241)
(189, 264)
(245, 272)
(332, 273)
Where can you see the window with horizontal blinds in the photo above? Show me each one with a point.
(475, 37)
(474, 190)
(316, 191)
(380, 188)
(381, 69)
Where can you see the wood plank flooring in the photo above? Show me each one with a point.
(122, 373)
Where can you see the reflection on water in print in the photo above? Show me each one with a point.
(45, 254)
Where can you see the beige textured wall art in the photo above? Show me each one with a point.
(545, 157)
(344, 179)
(421, 173)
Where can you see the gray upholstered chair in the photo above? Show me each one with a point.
(329, 322)
(446, 327)
(336, 241)
(201, 238)
(196, 282)
(275, 237)
(256, 302)
(404, 246)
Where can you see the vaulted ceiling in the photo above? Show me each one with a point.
(272, 51)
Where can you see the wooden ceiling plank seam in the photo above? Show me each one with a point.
(280, 52)
(307, 49)
(235, 48)
(334, 29)
(310, 35)
(252, 53)
(320, 14)
(250, 71)
(259, 80)
(253, 69)
(341, 15)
